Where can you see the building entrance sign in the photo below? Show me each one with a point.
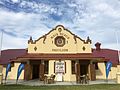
(59, 67)
(59, 70)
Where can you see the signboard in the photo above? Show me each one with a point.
(59, 67)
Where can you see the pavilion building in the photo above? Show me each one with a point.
(62, 53)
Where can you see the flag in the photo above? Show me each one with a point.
(108, 67)
(20, 68)
(7, 70)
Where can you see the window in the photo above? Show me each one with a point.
(59, 41)
(73, 67)
(46, 67)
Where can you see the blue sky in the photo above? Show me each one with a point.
(98, 19)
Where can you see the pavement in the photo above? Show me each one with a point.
(36, 82)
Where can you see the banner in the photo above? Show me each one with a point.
(7, 70)
(20, 68)
(108, 67)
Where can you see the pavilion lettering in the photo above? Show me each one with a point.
(60, 50)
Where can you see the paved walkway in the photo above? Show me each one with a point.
(39, 83)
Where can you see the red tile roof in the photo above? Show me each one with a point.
(9, 54)
(6, 55)
(111, 55)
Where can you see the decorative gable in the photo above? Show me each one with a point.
(59, 40)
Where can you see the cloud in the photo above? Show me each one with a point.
(97, 18)
(19, 27)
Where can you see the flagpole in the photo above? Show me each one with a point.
(117, 45)
(1, 42)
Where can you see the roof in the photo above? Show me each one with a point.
(47, 56)
(6, 55)
(111, 55)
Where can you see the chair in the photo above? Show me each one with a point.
(82, 79)
(41, 77)
(45, 79)
(78, 79)
(52, 77)
(86, 79)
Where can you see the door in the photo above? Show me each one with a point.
(83, 69)
(35, 72)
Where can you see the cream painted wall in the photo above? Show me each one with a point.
(13, 73)
(68, 76)
(80, 45)
(51, 67)
(70, 44)
(113, 72)
(73, 77)
(101, 73)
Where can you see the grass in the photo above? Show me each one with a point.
(64, 87)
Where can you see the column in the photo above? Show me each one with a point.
(92, 74)
(41, 72)
(77, 71)
(28, 72)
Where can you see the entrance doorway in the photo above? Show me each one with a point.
(83, 69)
(35, 71)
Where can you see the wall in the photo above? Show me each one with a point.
(73, 44)
(51, 67)
(46, 44)
(68, 76)
(101, 73)
(13, 73)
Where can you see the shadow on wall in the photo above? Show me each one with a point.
(98, 72)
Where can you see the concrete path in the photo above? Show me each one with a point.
(39, 83)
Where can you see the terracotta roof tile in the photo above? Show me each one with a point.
(6, 55)
(111, 55)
